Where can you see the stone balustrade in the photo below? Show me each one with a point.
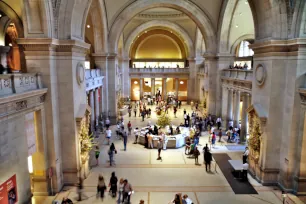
(93, 79)
(159, 70)
(237, 74)
(19, 83)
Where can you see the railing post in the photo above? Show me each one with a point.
(13, 83)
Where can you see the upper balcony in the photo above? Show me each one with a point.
(20, 92)
(159, 72)
(93, 79)
(237, 75)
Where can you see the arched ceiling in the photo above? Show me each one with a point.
(16, 5)
(157, 31)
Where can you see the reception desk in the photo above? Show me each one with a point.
(173, 141)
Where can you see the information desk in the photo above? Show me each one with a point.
(173, 141)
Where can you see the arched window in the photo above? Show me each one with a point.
(244, 50)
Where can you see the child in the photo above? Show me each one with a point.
(97, 154)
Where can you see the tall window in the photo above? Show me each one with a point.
(244, 50)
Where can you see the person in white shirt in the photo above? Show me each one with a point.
(186, 200)
(219, 122)
(107, 123)
(136, 133)
(108, 135)
(245, 167)
(245, 155)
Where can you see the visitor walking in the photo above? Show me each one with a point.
(120, 193)
(186, 200)
(124, 135)
(143, 114)
(196, 154)
(174, 111)
(207, 159)
(113, 185)
(127, 192)
(150, 141)
(80, 187)
(97, 154)
(112, 150)
(136, 133)
(213, 139)
(135, 110)
(107, 122)
(130, 111)
(220, 134)
(129, 127)
(159, 148)
(101, 187)
(108, 135)
(219, 122)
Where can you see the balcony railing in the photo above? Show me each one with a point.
(158, 70)
(19, 83)
(93, 79)
(238, 74)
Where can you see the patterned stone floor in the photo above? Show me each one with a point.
(157, 182)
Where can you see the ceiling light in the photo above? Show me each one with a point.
(240, 14)
(138, 36)
(236, 26)
(88, 26)
(246, 2)
(135, 82)
(0, 15)
(171, 31)
(146, 31)
(10, 44)
(181, 82)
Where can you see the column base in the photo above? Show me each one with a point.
(267, 177)
(41, 186)
(299, 184)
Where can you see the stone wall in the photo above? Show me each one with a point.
(13, 156)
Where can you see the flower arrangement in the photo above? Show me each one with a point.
(163, 120)
(86, 140)
(255, 135)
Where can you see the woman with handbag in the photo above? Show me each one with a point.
(113, 185)
(101, 187)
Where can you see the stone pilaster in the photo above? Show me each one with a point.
(176, 87)
(97, 106)
(192, 85)
(165, 88)
(229, 107)
(244, 118)
(112, 86)
(236, 108)
(224, 106)
(141, 88)
(92, 105)
(126, 84)
(153, 87)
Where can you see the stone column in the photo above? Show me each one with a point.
(237, 108)
(176, 87)
(244, 118)
(165, 88)
(153, 87)
(229, 107)
(112, 87)
(126, 83)
(92, 105)
(141, 88)
(211, 66)
(100, 99)
(224, 105)
(97, 111)
(192, 83)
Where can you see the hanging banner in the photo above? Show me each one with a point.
(30, 132)
(8, 191)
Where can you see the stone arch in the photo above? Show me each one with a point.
(13, 18)
(266, 17)
(241, 38)
(298, 27)
(38, 19)
(162, 24)
(97, 12)
(72, 19)
(189, 8)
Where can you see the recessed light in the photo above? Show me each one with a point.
(10, 44)
(135, 82)
(240, 14)
(236, 26)
(171, 31)
(0, 15)
(146, 31)
(88, 26)
(181, 82)
(246, 2)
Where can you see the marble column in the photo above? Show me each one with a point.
(224, 105)
(141, 88)
(112, 87)
(165, 88)
(244, 118)
(92, 105)
(97, 110)
(100, 90)
(229, 107)
(176, 87)
(126, 83)
(153, 87)
(213, 81)
(237, 109)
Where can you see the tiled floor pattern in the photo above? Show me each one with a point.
(156, 182)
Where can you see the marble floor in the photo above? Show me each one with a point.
(156, 182)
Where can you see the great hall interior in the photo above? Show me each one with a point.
(71, 68)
